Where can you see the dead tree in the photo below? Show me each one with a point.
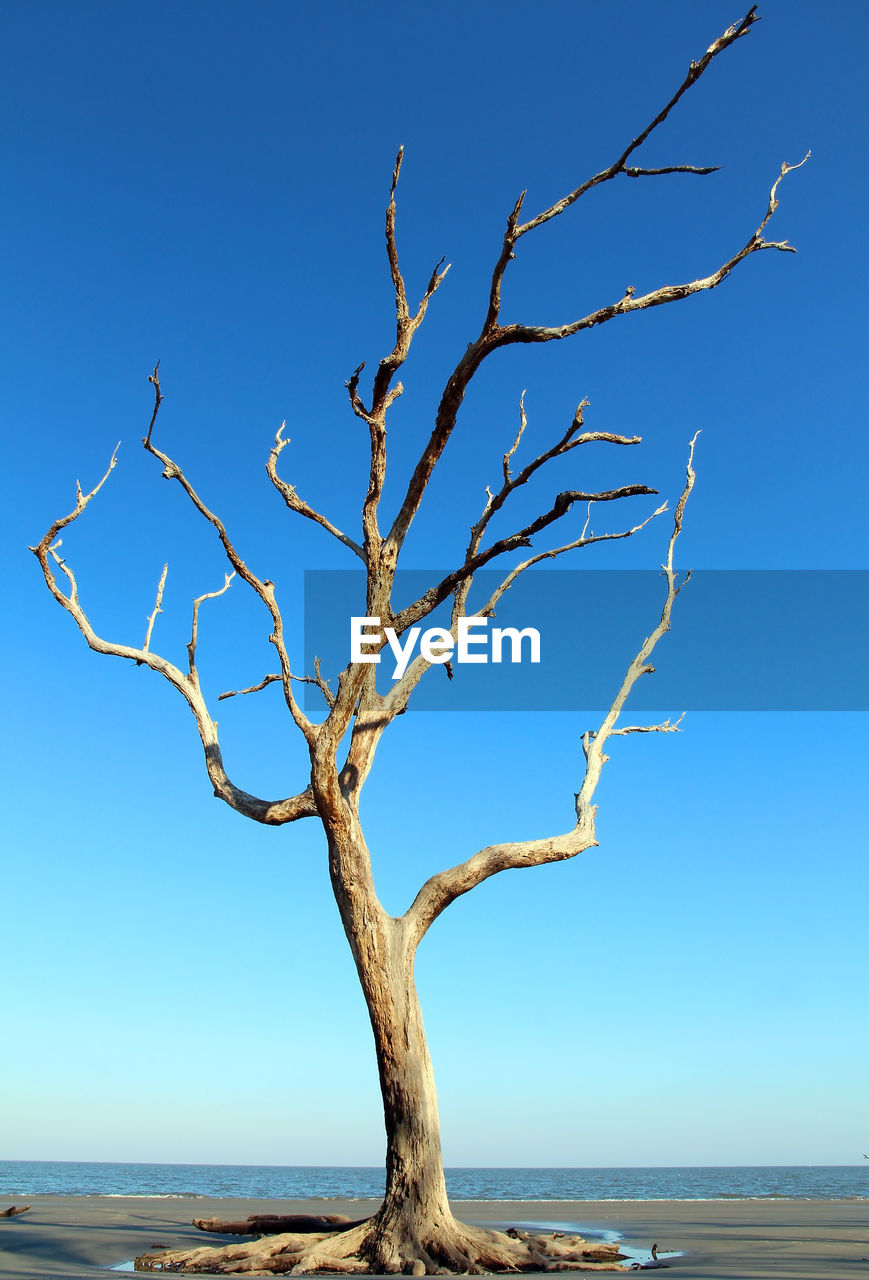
(414, 1230)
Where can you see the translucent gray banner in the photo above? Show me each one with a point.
(741, 640)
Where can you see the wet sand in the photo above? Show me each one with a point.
(80, 1236)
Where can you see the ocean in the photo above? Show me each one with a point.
(20, 1178)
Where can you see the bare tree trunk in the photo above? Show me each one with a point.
(415, 1219)
(413, 1232)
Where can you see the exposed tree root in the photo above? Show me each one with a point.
(441, 1248)
(275, 1224)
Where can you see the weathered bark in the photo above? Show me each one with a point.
(415, 1220)
(414, 1231)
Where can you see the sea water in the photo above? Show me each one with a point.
(328, 1182)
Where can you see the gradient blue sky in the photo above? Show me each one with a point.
(205, 183)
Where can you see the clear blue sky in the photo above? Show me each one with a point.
(205, 183)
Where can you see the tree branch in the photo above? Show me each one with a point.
(395, 702)
(401, 311)
(154, 379)
(458, 583)
(297, 504)
(321, 683)
(383, 394)
(522, 538)
(523, 423)
(265, 588)
(585, 539)
(47, 552)
(493, 335)
(316, 679)
(406, 324)
(667, 726)
(194, 629)
(444, 887)
(158, 606)
(495, 501)
(670, 168)
(508, 334)
(593, 743)
(695, 71)
(254, 688)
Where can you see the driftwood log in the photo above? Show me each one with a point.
(14, 1210)
(275, 1224)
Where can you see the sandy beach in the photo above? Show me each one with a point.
(82, 1236)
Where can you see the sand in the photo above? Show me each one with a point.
(81, 1236)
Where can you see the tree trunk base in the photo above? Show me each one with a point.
(375, 1248)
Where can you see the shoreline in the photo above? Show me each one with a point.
(197, 1197)
(81, 1237)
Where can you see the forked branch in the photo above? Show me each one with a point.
(657, 297)
(396, 701)
(458, 583)
(194, 628)
(47, 552)
(383, 393)
(586, 539)
(297, 504)
(571, 439)
(316, 679)
(494, 335)
(444, 887)
(593, 743)
(406, 324)
(521, 538)
(695, 71)
(264, 588)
